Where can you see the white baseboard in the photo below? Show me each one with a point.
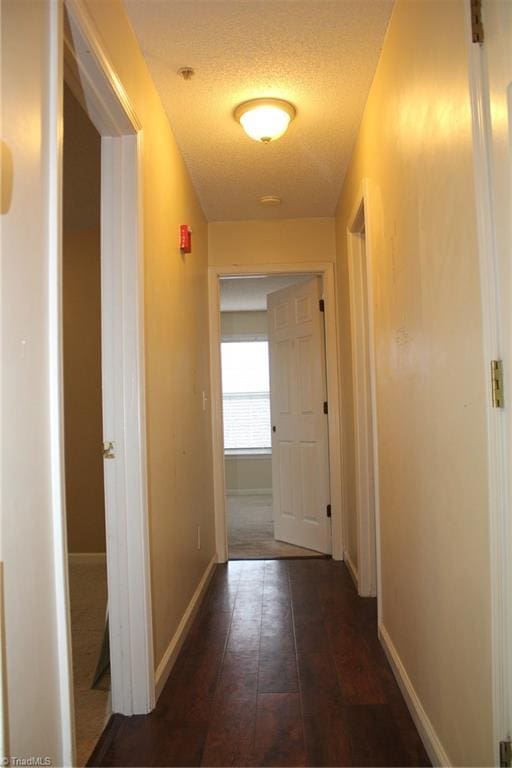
(171, 653)
(249, 492)
(351, 569)
(430, 739)
(86, 558)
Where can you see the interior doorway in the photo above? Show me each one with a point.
(276, 479)
(83, 412)
(252, 380)
(361, 524)
(118, 440)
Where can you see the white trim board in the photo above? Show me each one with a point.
(124, 423)
(249, 492)
(365, 381)
(351, 569)
(429, 737)
(52, 160)
(327, 271)
(247, 456)
(360, 268)
(4, 742)
(171, 652)
(87, 558)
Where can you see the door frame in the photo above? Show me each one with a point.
(83, 62)
(367, 573)
(494, 318)
(326, 270)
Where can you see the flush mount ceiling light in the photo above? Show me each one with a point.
(265, 119)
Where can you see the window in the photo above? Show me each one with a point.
(246, 396)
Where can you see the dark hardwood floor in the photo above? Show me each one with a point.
(282, 667)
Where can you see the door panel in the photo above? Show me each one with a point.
(300, 458)
(306, 382)
(285, 486)
(303, 309)
(283, 396)
(309, 475)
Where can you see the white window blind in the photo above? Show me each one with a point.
(246, 395)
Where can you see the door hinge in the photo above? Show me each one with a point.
(477, 27)
(505, 754)
(321, 305)
(108, 450)
(497, 383)
(326, 407)
(329, 512)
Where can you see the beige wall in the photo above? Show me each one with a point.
(81, 168)
(82, 391)
(177, 358)
(248, 473)
(414, 146)
(85, 499)
(276, 241)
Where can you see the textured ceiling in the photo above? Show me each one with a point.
(245, 294)
(319, 54)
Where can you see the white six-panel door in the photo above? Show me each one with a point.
(300, 451)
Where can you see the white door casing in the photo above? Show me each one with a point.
(300, 449)
(360, 265)
(364, 428)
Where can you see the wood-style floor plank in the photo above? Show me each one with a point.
(282, 666)
(230, 739)
(279, 733)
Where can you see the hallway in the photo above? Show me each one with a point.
(282, 667)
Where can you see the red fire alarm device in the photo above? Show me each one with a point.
(185, 239)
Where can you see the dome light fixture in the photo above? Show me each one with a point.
(265, 119)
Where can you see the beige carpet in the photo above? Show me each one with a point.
(88, 593)
(251, 531)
